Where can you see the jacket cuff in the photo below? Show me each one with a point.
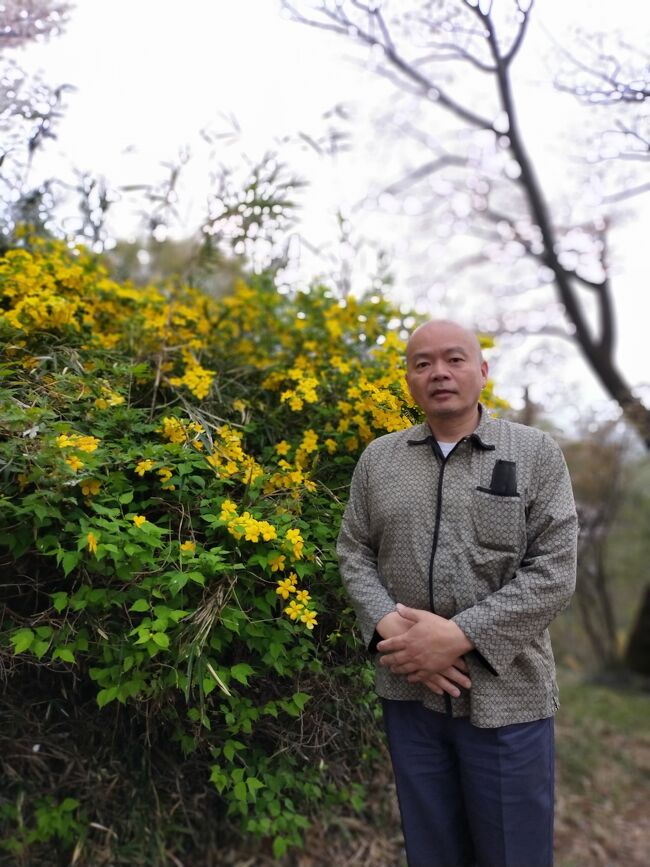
(374, 641)
(478, 656)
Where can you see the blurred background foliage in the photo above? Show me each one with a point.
(163, 703)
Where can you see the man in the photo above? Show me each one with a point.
(458, 548)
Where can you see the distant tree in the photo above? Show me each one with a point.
(29, 112)
(493, 185)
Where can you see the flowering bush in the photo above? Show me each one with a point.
(175, 468)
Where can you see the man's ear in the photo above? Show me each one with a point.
(408, 384)
(484, 371)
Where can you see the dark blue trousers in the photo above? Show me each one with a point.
(472, 796)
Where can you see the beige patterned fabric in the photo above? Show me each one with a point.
(486, 537)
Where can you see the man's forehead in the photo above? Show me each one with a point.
(442, 336)
(430, 347)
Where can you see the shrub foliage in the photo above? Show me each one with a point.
(174, 471)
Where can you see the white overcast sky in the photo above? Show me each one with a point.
(149, 74)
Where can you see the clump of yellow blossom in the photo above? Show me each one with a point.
(294, 609)
(228, 509)
(144, 467)
(77, 441)
(276, 562)
(196, 378)
(90, 487)
(285, 587)
(74, 463)
(91, 542)
(188, 547)
(139, 520)
(296, 542)
(165, 475)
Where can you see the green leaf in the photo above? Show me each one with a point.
(161, 639)
(59, 601)
(64, 653)
(241, 792)
(253, 785)
(22, 640)
(126, 498)
(104, 696)
(39, 648)
(300, 699)
(140, 605)
(231, 747)
(241, 672)
(280, 846)
(69, 560)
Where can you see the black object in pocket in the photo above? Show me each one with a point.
(504, 480)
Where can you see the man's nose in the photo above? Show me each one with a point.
(439, 370)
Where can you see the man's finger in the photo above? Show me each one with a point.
(407, 613)
(452, 673)
(388, 645)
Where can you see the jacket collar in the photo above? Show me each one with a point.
(482, 436)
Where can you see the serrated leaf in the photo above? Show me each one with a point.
(59, 601)
(300, 699)
(104, 696)
(254, 785)
(279, 847)
(241, 672)
(241, 792)
(140, 605)
(161, 639)
(69, 560)
(39, 648)
(22, 640)
(64, 653)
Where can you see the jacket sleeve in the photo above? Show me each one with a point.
(358, 559)
(501, 625)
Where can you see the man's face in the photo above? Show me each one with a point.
(444, 370)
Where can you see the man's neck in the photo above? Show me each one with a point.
(451, 430)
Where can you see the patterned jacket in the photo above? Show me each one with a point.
(486, 537)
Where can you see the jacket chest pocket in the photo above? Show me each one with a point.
(498, 520)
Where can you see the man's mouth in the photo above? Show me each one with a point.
(443, 392)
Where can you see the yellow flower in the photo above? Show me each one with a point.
(285, 587)
(86, 444)
(91, 542)
(330, 445)
(292, 577)
(276, 562)
(144, 467)
(268, 532)
(239, 406)
(139, 520)
(309, 619)
(309, 441)
(283, 448)
(76, 441)
(303, 596)
(90, 487)
(74, 463)
(294, 609)
(296, 541)
(188, 547)
(228, 509)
